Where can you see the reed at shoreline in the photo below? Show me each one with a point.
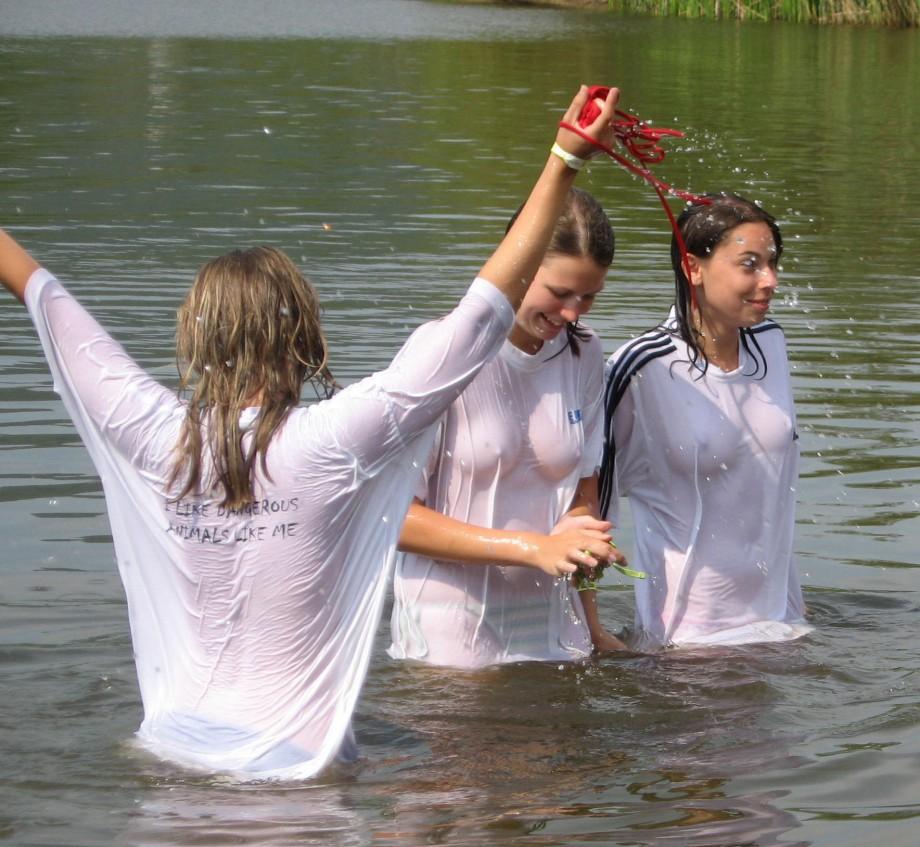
(890, 13)
(894, 13)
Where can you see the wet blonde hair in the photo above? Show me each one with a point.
(248, 334)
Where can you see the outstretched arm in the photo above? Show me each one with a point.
(431, 534)
(110, 398)
(516, 260)
(441, 358)
(16, 266)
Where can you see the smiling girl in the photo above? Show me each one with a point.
(478, 582)
(701, 439)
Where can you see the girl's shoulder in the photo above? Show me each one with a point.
(655, 345)
(638, 352)
(766, 340)
(589, 340)
(768, 331)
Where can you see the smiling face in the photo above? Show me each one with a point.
(562, 291)
(735, 283)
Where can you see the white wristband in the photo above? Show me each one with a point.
(571, 161)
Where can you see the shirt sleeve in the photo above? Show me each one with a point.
(422, 491)
(624, 441)
(100, 385)
(592, 402)
(377, 417)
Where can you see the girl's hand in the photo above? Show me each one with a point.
(601, 129)
(570, 522)
(604, 642)
(563, 552)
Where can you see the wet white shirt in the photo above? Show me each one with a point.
(709, 465)
(511, 452)
(252, 629)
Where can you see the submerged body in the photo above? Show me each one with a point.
(252, 627)
(709, 463)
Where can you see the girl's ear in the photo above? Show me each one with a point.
(696, 269)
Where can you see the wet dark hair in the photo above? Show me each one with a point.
(704, 227)
(582, 231)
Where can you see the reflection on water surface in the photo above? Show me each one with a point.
(383, 145)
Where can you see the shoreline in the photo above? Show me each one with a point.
(892, 14)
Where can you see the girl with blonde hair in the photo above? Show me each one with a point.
(253, 535)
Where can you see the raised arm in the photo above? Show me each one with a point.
(110, 398)
(441, 358)
(516, 260)
(429, 533)
(16, 266)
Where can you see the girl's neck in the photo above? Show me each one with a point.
(524, 341)
(720, 346)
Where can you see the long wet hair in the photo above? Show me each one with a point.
(582, 231)
(703, 228)
(248, 333)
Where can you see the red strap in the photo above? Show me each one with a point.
(642, 142)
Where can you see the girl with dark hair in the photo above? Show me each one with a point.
(515, 464)
(252, 534)
(701, 439)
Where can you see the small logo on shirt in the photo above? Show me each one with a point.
(574, 415)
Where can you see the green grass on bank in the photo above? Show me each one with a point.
(895, 13)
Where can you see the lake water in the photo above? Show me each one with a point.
(383, 144)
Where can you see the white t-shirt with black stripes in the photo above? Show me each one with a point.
(709, 464)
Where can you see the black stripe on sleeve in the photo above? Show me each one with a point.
(635, 356)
